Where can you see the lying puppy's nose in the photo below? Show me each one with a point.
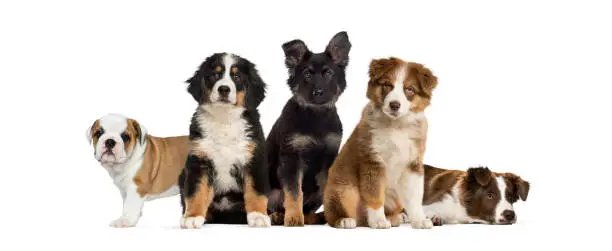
(224, 90)
(110, 143)
(509, 215)
(317, 92)
(394, 105)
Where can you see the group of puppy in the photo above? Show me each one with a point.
(226, 171)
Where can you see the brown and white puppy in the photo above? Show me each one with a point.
(143, 167)
(379, 170)
(473, 196)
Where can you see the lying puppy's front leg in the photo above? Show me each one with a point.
(132, 208)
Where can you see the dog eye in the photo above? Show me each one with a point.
(410, 89)
(98, 133)
(387, 87)
(125, 137)
(328, 74)
(490, 195)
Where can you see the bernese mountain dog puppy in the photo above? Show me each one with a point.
(225, 179)
(305, 139)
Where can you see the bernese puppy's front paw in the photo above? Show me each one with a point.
(192, 222)
(257, 219)
(122, 223)
(347, 223)
(421, 224)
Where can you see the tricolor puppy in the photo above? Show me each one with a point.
(379, 170)
(475, 196)
(306, 137)
(225, 179)
(143, 167)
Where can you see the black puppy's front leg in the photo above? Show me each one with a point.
(290, 173)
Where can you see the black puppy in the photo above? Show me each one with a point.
(225, 179)
(305, 139)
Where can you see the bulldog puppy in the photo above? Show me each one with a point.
(142, 166)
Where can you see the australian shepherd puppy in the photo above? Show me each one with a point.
(379, 171)
(305, 139)
(225, 179)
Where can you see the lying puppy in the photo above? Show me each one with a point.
(143, 167)
(225, 179)
(304, 140)
(475, 196)
(379, 170)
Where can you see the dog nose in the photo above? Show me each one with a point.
(110, 143)
(224, 90)
(394, 105)
(317, 92)
(509, 215)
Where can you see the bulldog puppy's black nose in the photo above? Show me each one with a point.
(395, 106)
(110, 143)
(317, 92)
(509, 215)
(224, 90)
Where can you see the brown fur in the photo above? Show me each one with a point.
(357, 179)
(94, 128)
(199, 203)
(240, 98)
(253, 201)
(164, 158)
(293, 208)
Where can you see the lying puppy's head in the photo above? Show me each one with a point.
(227, 79)
(398, 88)
(317, 79)
(115, 138)
(489, 196)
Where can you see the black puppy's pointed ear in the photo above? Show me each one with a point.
(338, 48)
(294, 52)
(195, 86)
(480, 175)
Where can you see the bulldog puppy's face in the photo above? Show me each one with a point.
(114, 138)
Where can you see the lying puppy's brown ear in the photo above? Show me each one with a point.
(480, 175)
(521, 187)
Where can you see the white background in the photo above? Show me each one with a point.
(524, 87)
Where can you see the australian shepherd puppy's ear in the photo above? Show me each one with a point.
(426, 79)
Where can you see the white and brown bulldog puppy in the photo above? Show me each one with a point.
(142, 166)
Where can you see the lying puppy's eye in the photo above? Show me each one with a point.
(490, 195)
(99, 133)
(125, 137)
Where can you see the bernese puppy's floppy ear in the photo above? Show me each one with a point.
(338, 49)
(256, 91)
(295, 51)
(479, 175)
(425, 77)
(195, 86)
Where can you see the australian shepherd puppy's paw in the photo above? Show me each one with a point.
(421, 224)
(192, 222)
(346, 223)
(123, 223)
(257, 219)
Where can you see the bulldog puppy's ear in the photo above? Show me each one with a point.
(89, 133)
(479, 175)
(141, 131)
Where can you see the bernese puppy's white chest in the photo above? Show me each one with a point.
(225, 143)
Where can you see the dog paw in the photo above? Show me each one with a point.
(257, 219)
(122, 223)
(347, 223)
(398, 219)
(294, 220)
(192, 222)
(436, 221)
(277, 218)
(380, 223)
(421, 224)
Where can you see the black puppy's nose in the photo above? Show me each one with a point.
(224, 90)
(317, 92)
(394, 105)
(509, 215)
(110, 143)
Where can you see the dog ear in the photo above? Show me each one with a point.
(425, 77)
(141, 131)
(521, 187)
(294, 52)
(89, 132)
(379, 67)
(479, 175)
(338, 48)
(256, 88)
(195, 87)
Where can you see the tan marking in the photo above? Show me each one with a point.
(293, 208)
(234, 69)
(240, 98)
(198, 204)
(254, 202)
(134, 132)
(301, 142)
(92, 131)
(218, 68)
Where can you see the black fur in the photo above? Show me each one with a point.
(199, 86)
(308, 114)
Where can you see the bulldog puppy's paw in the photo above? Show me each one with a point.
(347, 223)
(421, 224)
(257, 219)
(123, 223)
(192, 222)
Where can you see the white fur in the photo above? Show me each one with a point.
(377, 219)
(449, 209)
(226, 80)
(397, 94)
(257, 219)
(347, 223)
(225, 142)
(503, 203)
(192, 222)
